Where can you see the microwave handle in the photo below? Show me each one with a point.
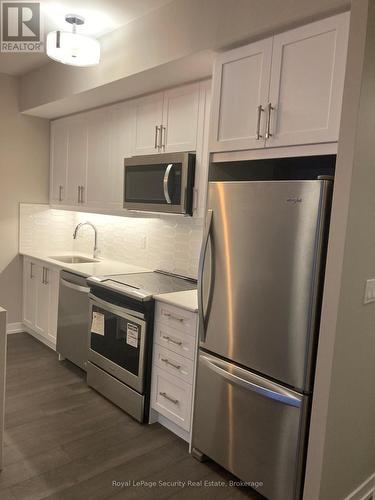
(165, 183)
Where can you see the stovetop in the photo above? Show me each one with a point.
(144, 286)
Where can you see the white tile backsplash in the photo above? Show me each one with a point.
(166, 242)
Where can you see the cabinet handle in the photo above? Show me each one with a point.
(46, 276)
(165, 360)
(82, 194)
(169, 339)
(31, 270)
(268, 128)
(172, 316)
(259, 119)
(157, 128)
(43, 275)
(163, 136)
(61, 193)
(172, 400)
(79, 194)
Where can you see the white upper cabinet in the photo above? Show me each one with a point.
(77, 161)
(148, 122)
(296, 77)
(88, 149)
(59, 158)
(307, 82)
(180, 119)
(99, 165)
(122, 147)
(240, 93)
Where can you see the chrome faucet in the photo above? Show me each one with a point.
(96, 249)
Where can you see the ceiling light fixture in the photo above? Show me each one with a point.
(72, 48)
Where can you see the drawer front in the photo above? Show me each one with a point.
(174, 364)
(171, 398)
(185, 321)
(174, 340)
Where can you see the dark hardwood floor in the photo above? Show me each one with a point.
(65, 441)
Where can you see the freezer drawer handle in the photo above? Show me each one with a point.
(169, 339)
(166, 361)
(268, 390)
(172, 400)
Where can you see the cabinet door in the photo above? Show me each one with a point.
(180, 119)
(148, 122)
(29, 292)
(99, 167)
(42, 301)
(53, 282)
(240, 86)
(59, 158)
(307, 81)
(122, 147)
(77, 161)
(47, 280)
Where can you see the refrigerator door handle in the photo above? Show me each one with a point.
(252, 382)
(202, 258)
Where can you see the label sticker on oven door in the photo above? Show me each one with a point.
(132, 334)
(97, 325)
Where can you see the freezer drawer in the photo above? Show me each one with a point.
(253, 427)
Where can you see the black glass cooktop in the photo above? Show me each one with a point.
(144, 285)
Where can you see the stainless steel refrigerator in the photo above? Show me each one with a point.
(260, 286)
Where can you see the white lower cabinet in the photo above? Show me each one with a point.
(40, 299)
(175, 338)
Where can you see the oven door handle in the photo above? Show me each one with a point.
(165, 183)
(115, 309)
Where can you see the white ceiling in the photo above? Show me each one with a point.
(100, 17)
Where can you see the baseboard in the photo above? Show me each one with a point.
(365, 491)
(41, 339)
(15, 328)
(171, 426)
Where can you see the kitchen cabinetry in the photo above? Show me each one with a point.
(40, 300)
(88, 149)
(167, 121)
(283, 91)
(59, 158)
(76, 161)
(175, 337)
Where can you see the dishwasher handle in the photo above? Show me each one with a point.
(73, 286)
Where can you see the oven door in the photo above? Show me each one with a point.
(159, 183)
(117, 341)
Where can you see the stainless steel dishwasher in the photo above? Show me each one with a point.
(73, 319)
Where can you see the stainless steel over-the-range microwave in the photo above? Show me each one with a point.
(160, 183)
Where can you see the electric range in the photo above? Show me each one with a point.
(121, 335)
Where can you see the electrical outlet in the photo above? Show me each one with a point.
(369, 291)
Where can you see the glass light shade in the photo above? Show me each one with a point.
(74, 49)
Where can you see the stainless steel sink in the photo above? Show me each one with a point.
(73, 259)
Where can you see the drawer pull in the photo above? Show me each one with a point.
(171, 316)
(165, 360)
(172, 400)
(169, 339)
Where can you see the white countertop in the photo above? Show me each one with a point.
(187, 299)
(101, 268)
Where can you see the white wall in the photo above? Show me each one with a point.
(24, 174)
(341, 452)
